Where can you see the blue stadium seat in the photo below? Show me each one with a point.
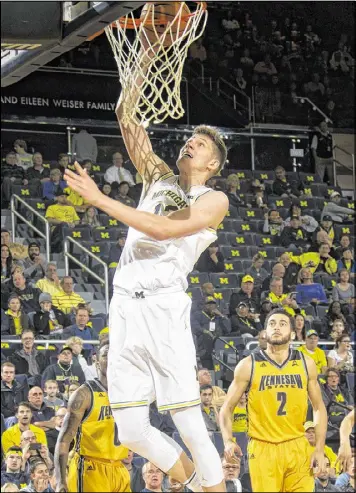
(242, 441)
(227, 225)
(263, 175)
(37, 204)
(108, 234)
(245, 226)
(194, 293)
(240, 239)
(79, 233)
(321, 311)
(224, 280)
(23, 191)
(250, 213)
(279, 202)
(109, 222)
(223, 293)
(307, 205)
(266, 240)
(344, 229)
(97, 323)
(101, 249)
(218, 442)
(350, 381)
(268, 252)
(232, 212)
(198, 278)
(309, 178)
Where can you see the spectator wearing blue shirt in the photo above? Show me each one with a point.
(81, 329)
(347, 261)
(54, 184)
(309, 291)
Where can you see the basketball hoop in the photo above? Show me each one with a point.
(150, 67)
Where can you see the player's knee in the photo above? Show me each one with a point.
(131, 429)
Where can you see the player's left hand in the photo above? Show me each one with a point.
(344, 455)
(317, 462)
(81, 183)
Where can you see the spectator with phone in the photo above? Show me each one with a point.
(32, 451)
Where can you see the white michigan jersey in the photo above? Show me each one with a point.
(148, 264)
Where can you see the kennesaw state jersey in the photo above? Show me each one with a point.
(148, 264)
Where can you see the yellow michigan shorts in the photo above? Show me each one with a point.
(92, 475)
(280, 467)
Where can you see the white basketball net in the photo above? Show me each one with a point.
(150, 73)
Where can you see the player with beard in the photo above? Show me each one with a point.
(278, 381)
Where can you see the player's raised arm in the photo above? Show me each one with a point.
(345, 431)
(208, 211)
(242, 375)
(78, 403)
(136, 139)
(320, 417)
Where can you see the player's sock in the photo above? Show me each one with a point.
(193, 483)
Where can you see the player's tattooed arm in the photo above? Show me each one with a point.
(78, 404)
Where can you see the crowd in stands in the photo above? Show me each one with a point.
(286, 242)
(277, 53)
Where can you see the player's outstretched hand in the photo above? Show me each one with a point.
(317, 462)
(81, 183)
(232, 451)
(344, 455)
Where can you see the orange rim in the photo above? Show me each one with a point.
(130, 23)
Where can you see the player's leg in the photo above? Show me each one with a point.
(136, 433)
(174, 370)
(190, 424)
(299, 475)
(130, 397)
(266, 468)
(87, 475)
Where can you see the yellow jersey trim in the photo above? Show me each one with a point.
(166, 175)
(120, 405)
(179, 405)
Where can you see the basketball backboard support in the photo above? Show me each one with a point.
(18, 63)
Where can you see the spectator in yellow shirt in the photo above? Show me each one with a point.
(277, 297)
(317, 261)
(60, 215)
(312, 350)
(239, 417)
(309, 428)
(50, 283)
(67, 301)
(12, 436)
(76, 200)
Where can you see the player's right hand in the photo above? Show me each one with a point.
(232, 451)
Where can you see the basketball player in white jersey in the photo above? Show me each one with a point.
(152, 354)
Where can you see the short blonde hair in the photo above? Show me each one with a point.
(217, 139)
(74, 340)
(231, 178)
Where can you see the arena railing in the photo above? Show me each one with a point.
(15, 199)
(221, 88)
(68, 256)
(294, 344)
(45, 342)
(303, 99)
(336, 161)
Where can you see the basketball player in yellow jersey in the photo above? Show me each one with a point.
(96, 465)
(279, 382)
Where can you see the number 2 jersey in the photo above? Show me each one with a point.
(278, 397)
(97, 434)
(148, 264)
